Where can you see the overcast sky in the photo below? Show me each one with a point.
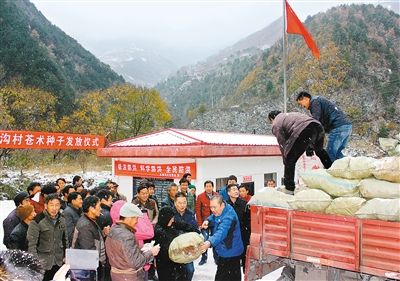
(202, 24)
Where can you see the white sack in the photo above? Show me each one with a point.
(388, 169)
(346, 206)
(186, 247)
(381, 209)
(269, 197)
(373, 188)
(312, 200)
(352, 167)
(336, 187)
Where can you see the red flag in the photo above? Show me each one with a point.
(294, 26)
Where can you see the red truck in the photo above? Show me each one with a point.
(322, 247)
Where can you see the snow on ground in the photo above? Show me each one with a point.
(92, 178)
(204, 272)
(207, 271)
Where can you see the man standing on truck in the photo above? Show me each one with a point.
(297, 133)
(332, 118)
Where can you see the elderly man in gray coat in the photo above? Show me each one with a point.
(297, 133)
(126, 258)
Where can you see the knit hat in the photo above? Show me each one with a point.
(129, 210)
(21, 196)
(24, 211)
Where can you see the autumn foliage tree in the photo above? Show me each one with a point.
(25, 108)
(135, 111)
(121, 111)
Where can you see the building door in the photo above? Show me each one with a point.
(161, 187)
(250, 186)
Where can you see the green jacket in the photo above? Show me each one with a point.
(48, 239)
(191, 201)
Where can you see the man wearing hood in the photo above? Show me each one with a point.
(167, 230)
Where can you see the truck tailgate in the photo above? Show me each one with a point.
(380, 248)
(325, 239)
(270, 232)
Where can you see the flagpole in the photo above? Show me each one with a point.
(284, 57)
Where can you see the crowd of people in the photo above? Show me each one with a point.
(49, 219)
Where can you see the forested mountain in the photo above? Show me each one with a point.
(207, 82)
(358, 69)
(50, 83)
(39, 54)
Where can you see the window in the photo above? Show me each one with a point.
(270, 176)
(220, 183)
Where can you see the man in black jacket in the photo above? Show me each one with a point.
(243, 213)
(88, 235)
(73, 212)
(11, 221)
(332, 118)
(106, 201)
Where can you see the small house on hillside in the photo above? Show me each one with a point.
(166, 155)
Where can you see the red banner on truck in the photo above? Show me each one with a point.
(45, 140)
(158, 171)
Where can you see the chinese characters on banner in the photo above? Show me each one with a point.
(42, 140)
(158, 171)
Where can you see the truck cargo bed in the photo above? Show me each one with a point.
(366, 246)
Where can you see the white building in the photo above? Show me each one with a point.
(165, 155)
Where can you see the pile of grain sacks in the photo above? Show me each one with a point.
(360, 186)
(354, 186)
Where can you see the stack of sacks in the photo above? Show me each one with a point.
(270, 197)
(384, 191)
(351, 177)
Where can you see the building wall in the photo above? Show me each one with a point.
(255, 167)
(213, 168)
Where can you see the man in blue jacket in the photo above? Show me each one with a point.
(332, 118)
(226, 239)
(223, 192)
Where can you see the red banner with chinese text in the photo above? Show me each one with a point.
(158, 171)
(45, 140)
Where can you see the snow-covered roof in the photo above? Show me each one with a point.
(192, 143)
(193, 137)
